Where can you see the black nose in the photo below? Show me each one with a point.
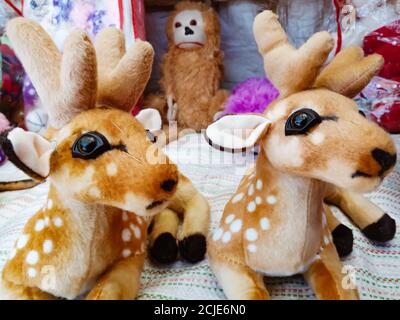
(385, 159)
(168, 185)
(188, 31)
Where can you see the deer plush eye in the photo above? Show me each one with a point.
(90, 145)
(301, 121)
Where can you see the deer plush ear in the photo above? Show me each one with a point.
(28, 151)
(150, 119)
(237, 132)
(349, 72)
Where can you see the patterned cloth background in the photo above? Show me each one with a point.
(216, 175)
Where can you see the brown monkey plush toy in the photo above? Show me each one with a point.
(192, 68)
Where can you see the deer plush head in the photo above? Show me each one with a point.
(314, 129)
(98, 151)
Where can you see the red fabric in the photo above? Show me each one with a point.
(386, 42)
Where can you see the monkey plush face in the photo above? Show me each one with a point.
(188, 29)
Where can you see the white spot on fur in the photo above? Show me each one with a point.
(258, 200)
(236, 225)
(238, 197)
(259, 184)
(126, 235)
(112, 169)
(32, 272)
(39, 225)
(284, 151)
(317, 138)
(218, 234)
(126, 253)
(252, 248)
(251, 207)
(57, 222)
(22, 241)
(124, 216)
(47, 246)
(251, 234)
(94, 192)
(264, 223)
(136, 231)
(229, 218)
(227, 237)
(32, 257)
(250, 191)
(50, 204)
(326, 240)
(47, 221)
(271, 200)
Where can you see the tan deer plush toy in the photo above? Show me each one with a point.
(90, 234)
(311, 139)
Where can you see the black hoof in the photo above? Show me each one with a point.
(383, 230)
(193, 248)
(343, 240)
(164, 249)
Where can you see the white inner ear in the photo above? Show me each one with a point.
(32, 150)
(150, 119)
(237, 131)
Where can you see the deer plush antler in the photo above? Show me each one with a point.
(312, 139)
(104, 189)
(282, 60)
(119, 71)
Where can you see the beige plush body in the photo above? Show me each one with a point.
(191, 75)
(107, 179)
(312, 147)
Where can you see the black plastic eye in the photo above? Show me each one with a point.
(151, 136)
(301, 121)
(362, 113)
(90, 145)
(193, 22)
(178, 25)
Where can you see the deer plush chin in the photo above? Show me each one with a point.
(107, 178)
(312, 139)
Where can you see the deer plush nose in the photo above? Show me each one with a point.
(385, 159)
(188, 31)
(168, 185)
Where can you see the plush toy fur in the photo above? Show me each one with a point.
(91, 233)
(311, 138)
(191, 76)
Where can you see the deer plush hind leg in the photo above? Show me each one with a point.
(196, 218)
(373, 222)
(11, 291)
(327, 279)
(342, 235)
(238, 281)
(121, 282)
(163, 243)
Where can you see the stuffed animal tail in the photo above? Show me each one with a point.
(18, 185)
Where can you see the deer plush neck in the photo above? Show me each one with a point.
(311, 135)
(102, 186)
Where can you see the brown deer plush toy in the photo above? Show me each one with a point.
(311, 139)
(90, 234)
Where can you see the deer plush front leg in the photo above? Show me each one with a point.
(194, 209)
(122, 282)
(372, 221)
(163, 243)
